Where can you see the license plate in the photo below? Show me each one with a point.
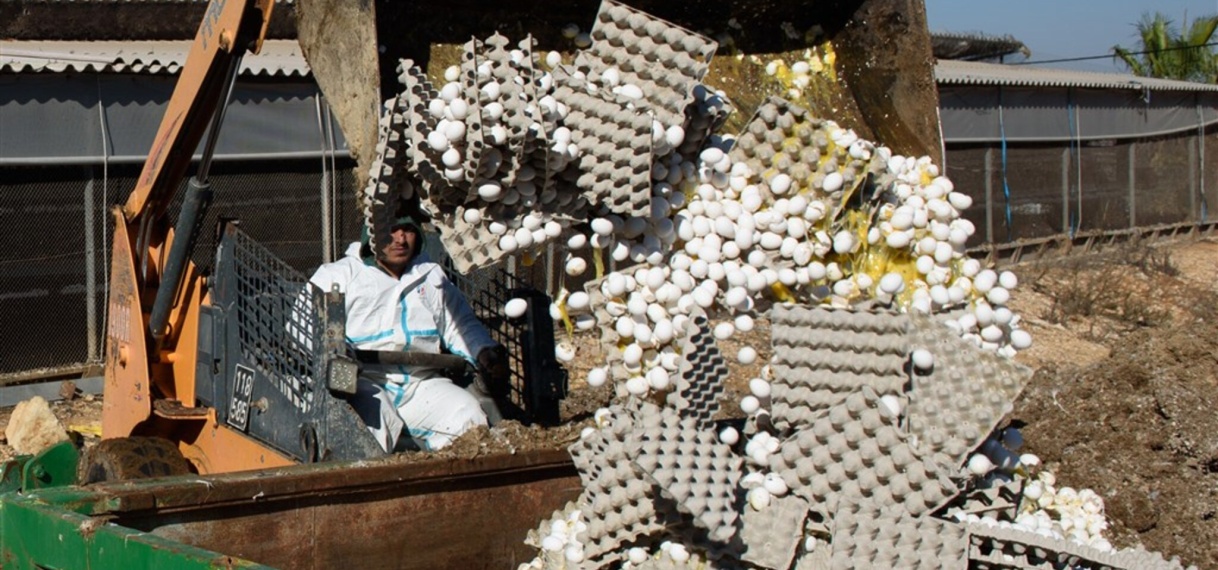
(239, 399)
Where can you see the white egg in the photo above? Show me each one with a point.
(637, 386)
(998, 296)
(985, 281)
(750, 405)
(564, 351)
(780, 184)
(774, 485)
(724, 331)
(923, 359)
(1008, 280)
(490, 190)
(759, 498)
(892, 283)
(833, 182)
(747, 355)
(729, 436)
(1020, 339)
(892, 402)
(759, 388)
(576, 266)
(637, 555)
(979, 464)
(744, 323)
(578, 301)
(602, 226)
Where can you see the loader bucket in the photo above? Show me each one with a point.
(884, 87)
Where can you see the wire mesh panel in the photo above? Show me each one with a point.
(1165, 179)
(1105, 186)
(538, 381)
(1208, 209)
(1034, 177)
(278, 328)
(966, 169)
(43, 270)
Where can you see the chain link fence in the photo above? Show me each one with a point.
(57, 223)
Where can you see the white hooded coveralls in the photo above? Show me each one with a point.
(422, 311)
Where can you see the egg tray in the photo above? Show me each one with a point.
(512, 95)
(783, 137)
(617, 500)
(475, 145)
(855, 450)
(664, 60)
(1000, 502)
(418, 91)
(695, 562)
(382, 192)
(493, 53)
(470, 246)
(866, 536)
(958, 403)
(823, 354)
(703, 371)
(614, 139)
(772, 535)
(691, 468)
(996, 547)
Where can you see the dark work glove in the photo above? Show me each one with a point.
(495, 370)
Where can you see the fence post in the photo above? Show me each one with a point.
(1066, 191)
(1192, 180)
(1133, 221)
(90, 269)
(989, 195)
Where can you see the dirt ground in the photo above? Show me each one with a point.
(1125, 397)
(1123, 401)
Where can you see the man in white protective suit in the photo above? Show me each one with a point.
(398, 300)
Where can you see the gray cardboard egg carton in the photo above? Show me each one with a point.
(1005, 547)
(664, 60)
(958, 403)
(782, 137)
(866, 535)
(382, 191)
(470, 246)
(494, 55)
(617, 500)
(689, 465)
(475, 145)
(614, 139)
(418, 91)
(1000, 502)
(772, 536)
(854, 450)
(703, 370)
(823, 354)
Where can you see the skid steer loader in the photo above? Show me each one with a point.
(246, 367)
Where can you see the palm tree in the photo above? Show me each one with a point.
(1168, 53)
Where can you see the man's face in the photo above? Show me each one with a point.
(397, 253)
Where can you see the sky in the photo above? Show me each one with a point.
(1055, 29)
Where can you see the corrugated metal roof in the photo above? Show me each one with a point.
(949, 72)
(279, 58)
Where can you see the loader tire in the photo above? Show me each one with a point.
(127, 458)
